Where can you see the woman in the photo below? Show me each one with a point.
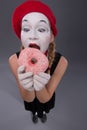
(35, 24)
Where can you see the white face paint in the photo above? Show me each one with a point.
(36, 31)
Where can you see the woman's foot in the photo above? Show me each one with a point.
(35, 117)
(44, 117)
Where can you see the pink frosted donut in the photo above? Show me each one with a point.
(34, 60)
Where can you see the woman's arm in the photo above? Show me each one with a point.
(26, 95)
(46, 93)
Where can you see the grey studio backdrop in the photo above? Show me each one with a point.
(70, 112)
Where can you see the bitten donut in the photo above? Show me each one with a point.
(34, 60)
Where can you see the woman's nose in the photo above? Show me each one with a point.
(33, 35)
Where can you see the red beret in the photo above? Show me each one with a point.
(32, 6)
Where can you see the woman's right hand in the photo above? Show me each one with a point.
(25, 78)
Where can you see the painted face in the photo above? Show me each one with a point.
(35, 31)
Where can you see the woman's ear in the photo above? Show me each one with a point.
(52, 38)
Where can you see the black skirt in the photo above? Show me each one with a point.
(39, 107)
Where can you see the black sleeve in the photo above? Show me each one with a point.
(17, 53)
(55, 62)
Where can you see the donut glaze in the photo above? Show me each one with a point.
(34, 60)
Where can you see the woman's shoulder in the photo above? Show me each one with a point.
(59, 59)
(15, 55)
(13, 58)
(13, 62)
(59, 56)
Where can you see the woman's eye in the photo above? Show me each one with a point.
(26, 29)
(41, 30)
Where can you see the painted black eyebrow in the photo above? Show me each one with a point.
(25, 20)
(43, 21)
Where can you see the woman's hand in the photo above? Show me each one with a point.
(40, 80)
(25, 78)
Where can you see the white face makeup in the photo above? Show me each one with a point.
(36, 31)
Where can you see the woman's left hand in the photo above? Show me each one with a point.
(40, 80)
